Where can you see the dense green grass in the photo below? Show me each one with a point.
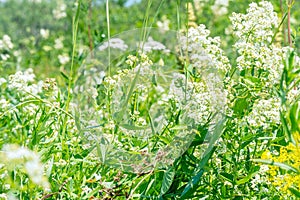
(214, 118)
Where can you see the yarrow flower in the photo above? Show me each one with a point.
(20, 80)
(152, 45)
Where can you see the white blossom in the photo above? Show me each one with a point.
(220, 7)
(115, 43)
(265, 113)
(44, 33)
(59, 43)
(60, 11)
(15, 155)
(20, 80)
(6, 43)
(151, 45)
(63, 59)
(204, 52)
(164, 24)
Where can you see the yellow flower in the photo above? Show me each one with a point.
(290, 155)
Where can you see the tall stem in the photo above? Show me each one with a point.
(89, 28)
(290, 4)
(108, 35)
(283, 25)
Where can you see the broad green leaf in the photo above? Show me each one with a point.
(295, 191)
(167, 180)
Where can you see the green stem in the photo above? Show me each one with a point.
(108, 36)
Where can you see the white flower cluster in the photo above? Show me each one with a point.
(60, 11)
(203, 51)
(21, 80)
(4, 104)
(59, 43)
(151, 45)
(265, 113)
(13, 155)
(5, 46)
(256, 54)
(198, 99)
(140, 65)
(63, 59)
(164, 24)
(115, 43)
(44, 33)
(259, 179)
(220, 7)
(199, 4)
(194, 98)
(256, 25)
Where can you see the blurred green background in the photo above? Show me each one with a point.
(23, 20)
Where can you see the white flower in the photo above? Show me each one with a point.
(257, 24)
(255, 31)
(93, 92)
(151, 45)
(115, 43)
(220, 7)
(6, 43)
(4, 56)
(204, 52)
(3, 196)
(164, 24)
(265, 113)
(60, 11)
(44, 33)
(20, 80)
(59, 43)
(15, 155)
(63, 59)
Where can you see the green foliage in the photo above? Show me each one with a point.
(39, 116)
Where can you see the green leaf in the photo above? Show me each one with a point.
(132, 127)
(167, 180)
(295, 191)
(278, 164)
(179, 127)
(193, 183)
(64, 75)
(286, 127)
(227, 176)
(245, 179)
(92, 193)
